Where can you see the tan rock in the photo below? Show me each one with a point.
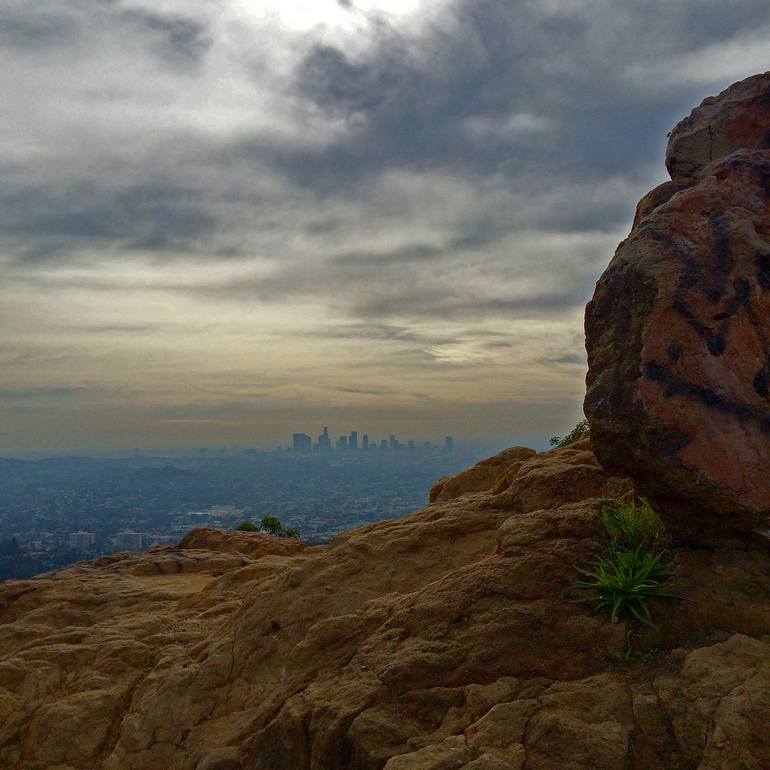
(253, 544)
(483, 476)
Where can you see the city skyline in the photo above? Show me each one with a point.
(348, 442)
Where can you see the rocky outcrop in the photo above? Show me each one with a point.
(488, 474)
(737, 119)
(447, 639)
(678, 331)
(253, 544)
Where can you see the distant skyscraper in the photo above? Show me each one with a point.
(81, 541)
(301, 442)
(353, 440)
(384, 444)
(393, 442)
(324, 442)
(411, 445)
(366, 441)
(449, 443)
(342, 444)
(129, 541)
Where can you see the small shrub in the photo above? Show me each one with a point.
(580, 430)
(631, 572)
(271, 525)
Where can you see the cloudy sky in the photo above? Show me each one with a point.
(222, 221)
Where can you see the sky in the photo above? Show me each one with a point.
(225, 221)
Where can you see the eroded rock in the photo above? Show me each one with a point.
(678, 331)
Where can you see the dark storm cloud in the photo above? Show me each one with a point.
(28, 29)
(177, 39)
(55, 219)
(501, 57)
(53, 24)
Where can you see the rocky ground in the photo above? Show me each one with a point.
(448, 639)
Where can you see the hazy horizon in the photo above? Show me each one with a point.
(227, 219)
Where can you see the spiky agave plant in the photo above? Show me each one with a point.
(622, 581)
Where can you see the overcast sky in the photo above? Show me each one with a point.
(224, 221)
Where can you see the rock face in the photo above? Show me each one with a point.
(447, 639)
(483, 476)
(678, 331)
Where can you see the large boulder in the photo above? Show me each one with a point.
(678, 331)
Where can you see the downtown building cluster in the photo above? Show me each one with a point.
(303, 444)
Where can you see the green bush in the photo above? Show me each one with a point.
(580, 430)
(269, 524)
(631, 572)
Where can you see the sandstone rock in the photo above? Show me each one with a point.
(253, 544)
(449, 638)
(553, 478)
(482, 476)
(678, 331)
(737, 119)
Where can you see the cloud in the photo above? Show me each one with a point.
(34, 393)
(717, 63)
(201, 196)
(178, 40)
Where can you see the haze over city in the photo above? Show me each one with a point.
(222, 223)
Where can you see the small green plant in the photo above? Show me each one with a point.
(631, 572)
(580, 430)
(632, 525)
(271, 525)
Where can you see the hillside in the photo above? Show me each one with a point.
(450, 638)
